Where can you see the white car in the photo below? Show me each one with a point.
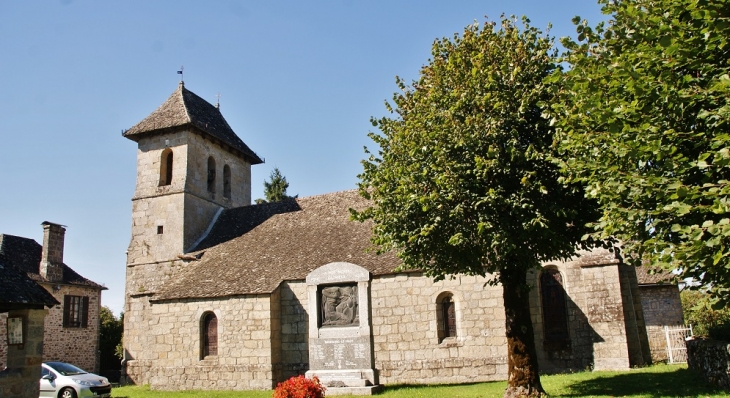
(63, 380)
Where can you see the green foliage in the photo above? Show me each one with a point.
(275, 188)
(642, 119)
(110, 337)
(463, 181)
(705, 320)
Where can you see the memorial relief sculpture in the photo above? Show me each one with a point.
(339, 306)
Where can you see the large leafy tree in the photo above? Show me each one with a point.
(463, 182)
(643, 122)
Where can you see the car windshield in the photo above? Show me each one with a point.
(65, 369)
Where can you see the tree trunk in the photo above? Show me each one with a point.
(523, 379)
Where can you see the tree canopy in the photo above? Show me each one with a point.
(463, 180)
(275, 188)
(643, 118)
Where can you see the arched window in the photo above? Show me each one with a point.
(554, 309)
(226, 182)
(211, 175)
(166, 167)
(446, 316)
(209, 336)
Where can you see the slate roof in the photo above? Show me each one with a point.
(18, 291)
(286, 242)
(24, 255)
(658, 277)
(186, 109)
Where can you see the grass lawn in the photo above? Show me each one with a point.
(654, 381)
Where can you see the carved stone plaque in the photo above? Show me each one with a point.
(339, 306)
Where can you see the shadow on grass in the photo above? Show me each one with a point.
(399, 387)
(681, 382)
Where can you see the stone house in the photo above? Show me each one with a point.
(71, 328)
(22, 307)
(224, 295)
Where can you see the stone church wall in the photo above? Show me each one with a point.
(406, 342)
(294, 329)
(173, 358)
(597, 329)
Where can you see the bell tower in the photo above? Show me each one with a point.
(190, 166)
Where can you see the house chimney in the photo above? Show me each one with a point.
(52, 256)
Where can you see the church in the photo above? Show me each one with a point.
(222, 294)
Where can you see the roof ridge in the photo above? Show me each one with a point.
(181, 88)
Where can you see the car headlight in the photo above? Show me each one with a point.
(84, 382)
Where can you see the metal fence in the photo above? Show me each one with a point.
(676, 342)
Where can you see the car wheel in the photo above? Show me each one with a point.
(67, 393)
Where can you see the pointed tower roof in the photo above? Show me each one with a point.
(186, 109)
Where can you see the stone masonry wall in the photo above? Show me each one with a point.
(406, 343)
(662, 307)
(711, 359)
(3, 340)
(637, 339)
(595, 317)
(20, 380)
(78, 346)
(164, 344)
(294, 329)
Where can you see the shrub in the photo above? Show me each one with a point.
(705, 320)
(299, 387)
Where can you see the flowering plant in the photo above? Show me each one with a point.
(299, 387)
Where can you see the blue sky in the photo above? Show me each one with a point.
(299, 81)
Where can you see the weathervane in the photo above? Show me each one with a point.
(180, 72)
(218, 101)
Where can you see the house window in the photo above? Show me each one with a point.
(209, 335)
(211, 175)
(75, 311)
(446, 317)
(226, 182)
(554, 310)
(166, 167)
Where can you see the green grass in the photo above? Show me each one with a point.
(650, 382)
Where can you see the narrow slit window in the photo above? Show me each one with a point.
(211, 175)
(209, 335)
(166, 167)
(446, 317)
(226, 181)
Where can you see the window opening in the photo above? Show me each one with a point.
(211, 175)
(166, 167)
(210, 335)
(446, 318)
(75, 311)
(159, 229)
(226, 182)
(554, 310)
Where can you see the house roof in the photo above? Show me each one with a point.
(284, 241)
(24, 254)
(18, 291)
(186, 109)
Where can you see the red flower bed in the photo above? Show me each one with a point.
(299, 387)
